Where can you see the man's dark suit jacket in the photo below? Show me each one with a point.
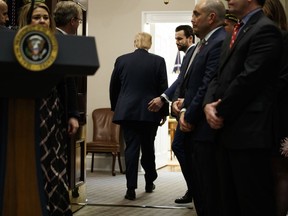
(281, 123)
(199, 75)
(137, 78)
(245, 83)
(172, 89)
(4, 28)
(67, 89)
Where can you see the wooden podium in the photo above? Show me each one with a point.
(21, 187)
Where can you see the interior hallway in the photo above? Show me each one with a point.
(105, 195)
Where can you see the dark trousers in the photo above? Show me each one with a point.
(183, 154)
(205, 178)
(246, 182)
(139, 136)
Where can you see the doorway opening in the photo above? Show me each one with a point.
(161, 25)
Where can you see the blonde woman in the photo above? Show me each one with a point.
(55, 110)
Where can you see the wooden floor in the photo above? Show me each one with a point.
(172, 165)
(171, 168)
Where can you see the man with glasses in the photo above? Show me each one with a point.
(67, 19)
(67, 16)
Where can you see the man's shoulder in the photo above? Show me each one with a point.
(217, 38)
(263, 26)
(220, 33)
(259, 20)
(158, 57)
(125, 56)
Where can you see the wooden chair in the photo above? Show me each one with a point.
(106, 137)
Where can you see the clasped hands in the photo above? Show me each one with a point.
(183, 125)
(213, 120)
(210, 111)
(176, 110)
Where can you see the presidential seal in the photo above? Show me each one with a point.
(35, 47)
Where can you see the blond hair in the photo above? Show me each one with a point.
(25, 15)
(143, 40)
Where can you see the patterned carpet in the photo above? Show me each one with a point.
(105, 194)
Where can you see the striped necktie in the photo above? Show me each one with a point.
(196, 51)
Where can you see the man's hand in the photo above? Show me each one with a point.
(213, 120)
(155, 104)
(176, 106)
(184, 126)
(73, 126)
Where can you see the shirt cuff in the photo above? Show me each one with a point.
(164, 96)
(183, 110)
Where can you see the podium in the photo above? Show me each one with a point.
(21, 189)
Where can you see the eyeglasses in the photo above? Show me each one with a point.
(79, 20)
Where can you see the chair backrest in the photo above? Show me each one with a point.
(103, 127)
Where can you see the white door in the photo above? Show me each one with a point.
(161, 25)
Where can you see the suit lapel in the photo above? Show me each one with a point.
(204, 50)
(205, 47)
(187, 59)
(249, 25)
(226, 51)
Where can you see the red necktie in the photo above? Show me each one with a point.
(234, 33)
(202, 42)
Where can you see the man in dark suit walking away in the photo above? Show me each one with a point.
(239, 104)
(207, 20)
(137, 78)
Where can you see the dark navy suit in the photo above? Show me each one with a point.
(199, 144)
(67, 88)
(170, 92)
(178, 141)
(137, 78)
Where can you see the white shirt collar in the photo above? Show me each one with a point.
(63, 32)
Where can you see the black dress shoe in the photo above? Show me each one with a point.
(130, 194)
(149, 188)
(187, 198)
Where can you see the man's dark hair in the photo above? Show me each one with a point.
(188, 30)
(261, 2)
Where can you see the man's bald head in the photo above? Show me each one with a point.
(3, 13)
